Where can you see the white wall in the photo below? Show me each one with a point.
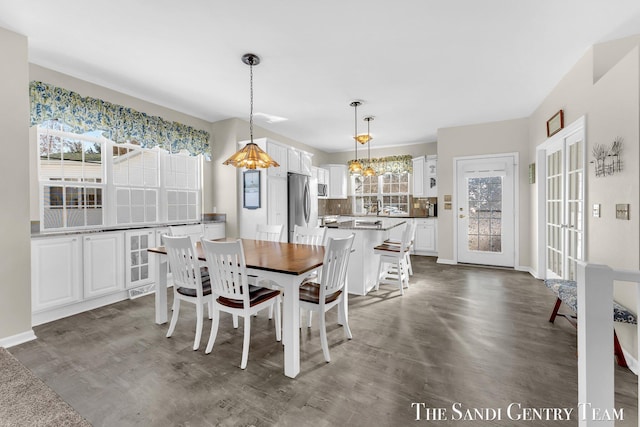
(15, 253)
(508, 136)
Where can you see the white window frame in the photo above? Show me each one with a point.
(380, 195)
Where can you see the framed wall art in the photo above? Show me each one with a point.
(555, 123)
(251, 189)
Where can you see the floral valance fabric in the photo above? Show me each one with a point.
(117, 123)
(393, 164)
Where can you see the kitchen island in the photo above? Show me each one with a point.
(363, 264)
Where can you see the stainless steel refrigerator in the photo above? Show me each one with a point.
(303, 202)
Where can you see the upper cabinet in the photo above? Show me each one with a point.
(418, 177)
(299, 162)
(279, 153)
(425, 176)
(337, 181)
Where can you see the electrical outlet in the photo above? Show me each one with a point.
(622, 211)
(596, 210)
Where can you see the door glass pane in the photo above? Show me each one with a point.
(485, 214)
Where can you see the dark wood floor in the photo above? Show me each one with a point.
(476, 336)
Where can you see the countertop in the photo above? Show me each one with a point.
(377, 216)
(374, 224)
(206, 219)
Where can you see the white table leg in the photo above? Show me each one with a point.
(161, 288)
(291, 327)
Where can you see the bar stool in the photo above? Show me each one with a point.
(397, 257)
(395, 242)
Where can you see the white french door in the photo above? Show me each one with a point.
(485, 213)
(564, 204)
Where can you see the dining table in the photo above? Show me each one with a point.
(285, 264)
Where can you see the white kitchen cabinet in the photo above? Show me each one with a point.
(56, 272)
(323, 176)
(103, 256)
(280, 154)
(419, 178)
(294, 160)
(299, 162)
(139, 266)
(277, 205)
(215, 230)
(305, 163)
(431, 176)
(425, 242)
(337, 181)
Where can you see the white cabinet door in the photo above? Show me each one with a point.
(215, 230)
(323, 176)
(56, 272)
(337, 181)
(426, 232)
(305, 163)
(419, 177)
(277, 209)
(280, 154)
(139, 265)
(103, 255)
(294, 161)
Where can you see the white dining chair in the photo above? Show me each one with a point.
(330, 291)
(396, 257)
(189, 284)
(232, 292)
(309, 235)
(271, 233)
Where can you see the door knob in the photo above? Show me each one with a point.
(461, 216)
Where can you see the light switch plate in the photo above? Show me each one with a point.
(596, 210)
(622, 211)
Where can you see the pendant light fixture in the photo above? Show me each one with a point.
(355, 167)
(251, 156)
(368, 171)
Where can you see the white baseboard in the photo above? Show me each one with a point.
(527, 269)
(632, 363)
(446, 261)
(50, 315)
(17, 339)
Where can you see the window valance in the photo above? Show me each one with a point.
(117, 123)
(393, 164)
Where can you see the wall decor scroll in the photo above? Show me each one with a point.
(607, 160)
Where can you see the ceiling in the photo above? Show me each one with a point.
(417, 65)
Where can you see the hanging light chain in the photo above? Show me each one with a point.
(251, 100)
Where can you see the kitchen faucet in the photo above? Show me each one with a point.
(378, 206)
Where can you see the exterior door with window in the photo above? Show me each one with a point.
(486, 210)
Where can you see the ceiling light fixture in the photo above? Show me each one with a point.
(368, 170)
(251, 156)
(355, 167)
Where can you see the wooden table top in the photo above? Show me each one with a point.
(279, 257)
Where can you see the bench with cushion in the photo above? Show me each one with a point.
(567, 293)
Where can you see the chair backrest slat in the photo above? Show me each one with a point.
(184, 263)
(269, 232)
(308, 235)
(335, 266)
(227, 269)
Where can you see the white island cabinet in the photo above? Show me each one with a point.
(363, 264)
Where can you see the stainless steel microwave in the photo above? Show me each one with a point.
(322, 190)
